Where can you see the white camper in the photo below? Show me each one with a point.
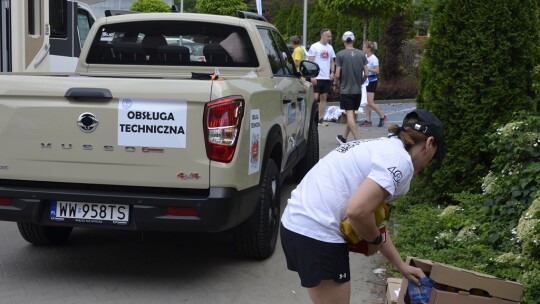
(42, 35)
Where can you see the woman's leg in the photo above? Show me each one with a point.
(373, 105)
(368, 110)
(330, 292)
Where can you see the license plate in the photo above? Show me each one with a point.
(89, 212)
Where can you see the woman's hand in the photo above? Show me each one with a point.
(413, 274)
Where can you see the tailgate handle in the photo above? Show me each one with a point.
(88, 93)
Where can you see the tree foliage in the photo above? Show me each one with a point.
(289, 21)
(421, 11)
(150, 6)
(295, 14)
(367, 8)
(394, 35)
(475, 73)
(189, 5)
(220, 7)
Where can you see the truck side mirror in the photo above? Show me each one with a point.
(309, 69)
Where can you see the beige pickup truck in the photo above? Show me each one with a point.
(171, 122)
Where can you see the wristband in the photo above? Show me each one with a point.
(377, 241)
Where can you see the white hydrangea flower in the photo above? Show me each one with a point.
(529, 226)
(508, 258)
(445, 236)
(466, 233)
(450, 210)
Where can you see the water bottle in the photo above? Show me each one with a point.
(420, 294)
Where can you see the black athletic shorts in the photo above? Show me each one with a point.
(372, 86)
(323, 86)
(315, 260)
(350, 101)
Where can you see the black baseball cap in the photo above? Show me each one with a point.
(430, 125)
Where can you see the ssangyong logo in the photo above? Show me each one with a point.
(87, 122)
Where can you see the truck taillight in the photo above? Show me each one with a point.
(5, 201)
(222, 118)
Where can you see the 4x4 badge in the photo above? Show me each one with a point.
(87, 122)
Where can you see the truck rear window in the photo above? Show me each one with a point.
(181, 43)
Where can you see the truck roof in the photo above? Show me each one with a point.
(183, 16)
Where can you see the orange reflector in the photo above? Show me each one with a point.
(6, 201)
(176, 211)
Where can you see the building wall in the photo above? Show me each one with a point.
(99, 7)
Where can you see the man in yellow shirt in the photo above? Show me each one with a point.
(298, 51)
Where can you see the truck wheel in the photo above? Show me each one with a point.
(257, 237)
(312, 153)
(44, 235)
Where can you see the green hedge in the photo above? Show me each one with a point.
(476, 72)
(495, 232)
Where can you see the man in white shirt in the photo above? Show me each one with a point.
(323, 54)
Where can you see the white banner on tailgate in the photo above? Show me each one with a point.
(152, 123)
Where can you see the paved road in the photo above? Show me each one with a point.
(395, 112)
(115, 267)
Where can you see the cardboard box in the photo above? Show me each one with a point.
(392, 290)
(454, 285)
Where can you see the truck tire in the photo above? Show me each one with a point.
(44, 235)
(312, 153)
(257, 237)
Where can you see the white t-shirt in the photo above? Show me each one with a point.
(373, 62)
(323, 53)
(319, 202)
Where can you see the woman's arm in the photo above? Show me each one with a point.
(390, 252)
(360, 211)
(374, 70)
(361, 207)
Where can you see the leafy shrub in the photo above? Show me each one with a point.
(536, 80)
(220, 7)
(514, 177)
(394, 36)
(150, 6)
(495, 232)
(404, 88)
(411, 57)
(536, 86)
(476, 70)
(528, 230)
(531, 277)
(449, 235)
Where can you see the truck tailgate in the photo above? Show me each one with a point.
(139, 137)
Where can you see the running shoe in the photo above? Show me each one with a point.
(341, 139)
(366, 123)
(383, 120)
